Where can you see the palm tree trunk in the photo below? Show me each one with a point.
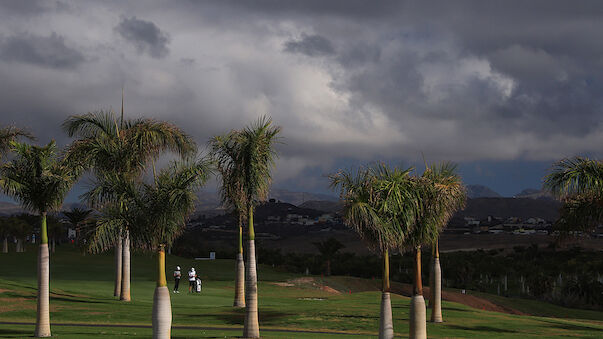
(386, 325)
(18, 245)
(54, 245)
(418, 320)
(118, 266)
(436, 306)
(162, 308)
(251, 328)
(43, 309)
(431, 288)
(5, 245)
(125, 272)
(239, 299)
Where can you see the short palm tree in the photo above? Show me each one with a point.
(5, 232)
(251, 160)
(328, 249)
(157, 214)
(449, 198)
(21, 226)
(76, 218)
(224, 152)
(578, 182)
(379, 204)
(109, 145)
(56, 229)
(39, 180)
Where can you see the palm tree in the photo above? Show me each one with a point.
(578, 182)
(439, 195)
(109, 145)
(450, 197)
(55, 230)
(328, 249)
(39, 181)
(379, 205)
(21, 227)
(157, 214)
(76, 218)
(252, 160)
(223, 151)
(5, 232)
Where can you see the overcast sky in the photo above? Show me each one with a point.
(503, 88)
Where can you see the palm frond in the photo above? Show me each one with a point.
(575, 176)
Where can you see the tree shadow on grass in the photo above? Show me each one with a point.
(15, 333)
(448, 308)
(481, 329)
(75, 300)
(266, 317)
(572, 327)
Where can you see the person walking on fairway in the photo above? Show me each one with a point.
(192, 277)
(177, 276)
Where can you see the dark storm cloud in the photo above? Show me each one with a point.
(47, 51)
(467, 81)
(145, 36)
(310, 45)
(25, 7)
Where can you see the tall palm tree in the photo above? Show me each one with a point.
(39, 180)
(450, 196)
(379, 205)
(224, 152)
(439, 194)
(157, 214)
(116, 146)
(252, 160)
(578, 182)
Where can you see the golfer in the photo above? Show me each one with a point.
(192, 277)
(177, 276)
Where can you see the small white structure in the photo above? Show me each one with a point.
(212, 256)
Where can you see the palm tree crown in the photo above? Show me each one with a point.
(111, 145)
(578, 182)
(379, 203)
(156, 213)
(37, 178)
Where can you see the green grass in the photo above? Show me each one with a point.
(82, 289)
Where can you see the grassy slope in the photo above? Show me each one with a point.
(82, 292)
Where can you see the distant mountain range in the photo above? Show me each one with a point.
(534, 193)
(480, 191)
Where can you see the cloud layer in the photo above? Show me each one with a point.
(349, 81)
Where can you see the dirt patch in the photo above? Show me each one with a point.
(307, 282)
(329, 289)
(15, 304)
(465, 299)
(302, 280)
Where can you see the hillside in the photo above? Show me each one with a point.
(481, 208)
